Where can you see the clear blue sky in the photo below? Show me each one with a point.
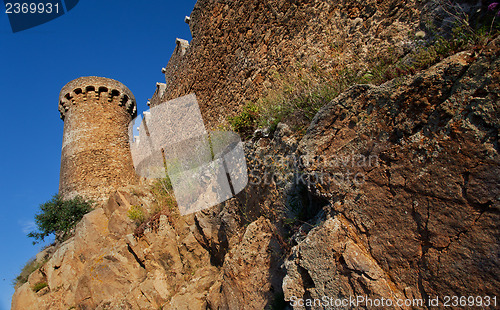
(129, 41)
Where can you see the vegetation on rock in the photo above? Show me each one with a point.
(31, 266)
(39, 286)
(59, 217)
(136, 214)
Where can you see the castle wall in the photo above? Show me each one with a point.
(95, 157)
(242, 49)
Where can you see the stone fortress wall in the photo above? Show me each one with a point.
(242, 49)
(95, 157)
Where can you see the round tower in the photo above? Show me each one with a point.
(95, 157)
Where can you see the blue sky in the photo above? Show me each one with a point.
(129, 41)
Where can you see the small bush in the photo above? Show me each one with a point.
(245, 122)
(163, 193)
(31, 266)
(136, 214)
(39, 286)
(59, 217)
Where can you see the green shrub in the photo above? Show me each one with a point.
(165, 184)
(59, 217)
(136, 214)
(39, 286)
(246, 121)
(295, 105)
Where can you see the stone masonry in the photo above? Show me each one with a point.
(95, 157)
(241, 50)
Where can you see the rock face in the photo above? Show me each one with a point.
(422, 218)
(174, 263)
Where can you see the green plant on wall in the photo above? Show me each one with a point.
(299, 92)
(245, 122)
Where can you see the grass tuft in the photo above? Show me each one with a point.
(39, 286)
(31, 266)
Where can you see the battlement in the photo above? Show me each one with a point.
(96, 88)
(181, 46)
(160, 89)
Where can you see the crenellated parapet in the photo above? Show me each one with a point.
(160, 89)
(93, 88)
(180, 52)
(181, 46)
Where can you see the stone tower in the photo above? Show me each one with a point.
(95, 157)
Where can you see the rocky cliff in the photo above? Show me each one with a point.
(423, 220)
(392, 193)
